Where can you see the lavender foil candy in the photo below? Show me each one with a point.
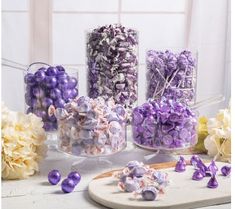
(164, 123)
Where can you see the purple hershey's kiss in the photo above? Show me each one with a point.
(226, 170)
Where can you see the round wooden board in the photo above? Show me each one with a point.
(182, 192)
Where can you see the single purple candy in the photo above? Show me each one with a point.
(212, 168)
(67, 94)
(212, 183)
(226, 170)
(197, 175)
(54, 177)
(194, 159)
(51, 71)
(74, 93)
(59, 103)
(75, 176)
(60, 68)
(72, 82)
(149, 193)
(50, 81)
(40, 75)
(180, 167)
(67, 185)
(29, 79)
(63, 82)
(55, 93)
(182, 160)
(46, 102)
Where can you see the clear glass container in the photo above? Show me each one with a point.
(172, 73)
(164, 125)
(112, 61)
(45, 86)
(86, 129)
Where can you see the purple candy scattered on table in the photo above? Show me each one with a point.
(172, 75)
(91, 126)
(226, 170)
(54, 177)
(212, 183)
(48, 86)
(197, 175)
(75, 176)
(164, 124)
(180, 165)
(113, 64)
(67, 185)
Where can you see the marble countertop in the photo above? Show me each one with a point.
(36, 193)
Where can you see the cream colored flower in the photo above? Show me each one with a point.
(212, 144)
(22, 141)
(218, 142)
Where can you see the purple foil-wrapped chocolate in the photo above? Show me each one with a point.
(46, 87)
(172, 75)
(164, 124)
(197, 175)
(226, 170)
(113, 64)
(91, 126)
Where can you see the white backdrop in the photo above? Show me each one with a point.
(54, 32)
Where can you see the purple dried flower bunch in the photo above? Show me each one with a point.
(172, 75)
(113, 64)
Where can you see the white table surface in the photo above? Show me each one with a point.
(36, 193)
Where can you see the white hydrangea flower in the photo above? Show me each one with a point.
(23, 139)
(218, 142)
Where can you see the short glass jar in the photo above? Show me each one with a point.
(112, 60)
(164, 124)
(47, 85)
(91, 127)
(172, 74)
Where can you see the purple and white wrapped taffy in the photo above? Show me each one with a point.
(113, 64)
(164, 124)
(141, 180)
(91, 127)
(172, 75)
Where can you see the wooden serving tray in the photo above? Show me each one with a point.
(182, 193)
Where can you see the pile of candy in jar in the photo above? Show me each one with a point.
(91, 126)
(49, 86)
(164, 123)
(172, 75)
(141, 180)
(201, 170)
(112, 59)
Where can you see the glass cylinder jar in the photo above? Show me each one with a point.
(172, 74)
(91, 127)
(164, 124)
(46, 85)
(112, 60)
